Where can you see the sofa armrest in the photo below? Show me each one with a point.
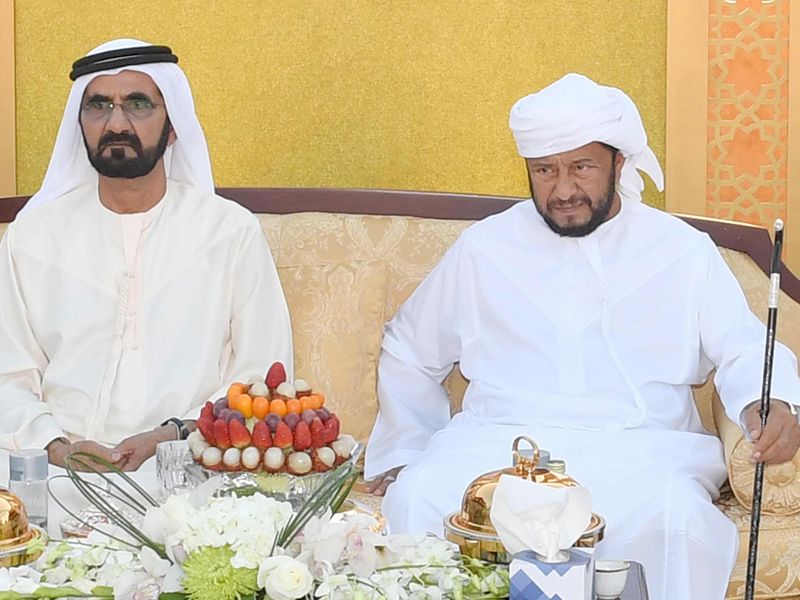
(781, 491)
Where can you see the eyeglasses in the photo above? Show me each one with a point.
(137, 109)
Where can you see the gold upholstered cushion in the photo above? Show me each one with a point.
(781, 482)
(781, 491)
(337, 326)
(778, 566)
(409, 248)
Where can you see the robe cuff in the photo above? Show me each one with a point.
(39, 432)
(375, 465)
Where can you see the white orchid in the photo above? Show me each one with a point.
(350, 544)
(225, 547)
(155, 566)
(136, 585)
(23, 580)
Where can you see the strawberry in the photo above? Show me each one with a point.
(275, 376)
(317, 433)
(283, 436)
(207, 411)
(262, 438)
(240, 437)
(206, 427)
(331, 429)
(222, 437)
(302, 436)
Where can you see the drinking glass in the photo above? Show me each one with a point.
(172, 457)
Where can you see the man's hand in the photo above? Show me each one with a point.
(780, 439)
(138, 448)
(59, 449)
(378, 485)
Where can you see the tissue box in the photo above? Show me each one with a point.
(532, 579)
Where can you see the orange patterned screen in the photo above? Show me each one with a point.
(748, 103)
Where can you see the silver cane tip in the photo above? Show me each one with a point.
(778, 224)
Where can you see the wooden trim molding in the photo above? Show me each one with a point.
(8, 148)
(750, 239)
(10, 206)
(430, 205)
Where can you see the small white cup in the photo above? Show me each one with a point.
(609, 578)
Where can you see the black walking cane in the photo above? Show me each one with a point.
(758, 481)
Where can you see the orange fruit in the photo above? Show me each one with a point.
(293, 405)
(260, 407)
(307, 402)
(244, 404)
(312, 401)
(278, 406)
(321, 397)
(235, 389)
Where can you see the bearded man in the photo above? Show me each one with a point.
(129, 292)
(582, 318)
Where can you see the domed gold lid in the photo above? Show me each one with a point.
(477, 501)
(13, 520)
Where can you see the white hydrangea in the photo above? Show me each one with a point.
(249, 525)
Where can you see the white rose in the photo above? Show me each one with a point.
(284, 578)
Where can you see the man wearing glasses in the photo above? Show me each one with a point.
(129, 292)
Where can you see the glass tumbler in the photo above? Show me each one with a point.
(172, 457)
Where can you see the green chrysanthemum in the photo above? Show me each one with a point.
(208, 575)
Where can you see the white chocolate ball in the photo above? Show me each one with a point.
(286, 389)
(344, 445)
(326, 455)
(251, 457)
(211, 456)
(273, 458)
(300, 463)
(232, 458)
(301, 385)
(259, 388)
(197, 444)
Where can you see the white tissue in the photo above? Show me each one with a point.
(539, 517)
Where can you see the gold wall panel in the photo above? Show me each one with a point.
(352, 93)
(733, 112)
(748, 107)
(8, 173)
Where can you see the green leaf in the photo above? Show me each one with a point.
(330, 494)
(59, 592)
(172, 596)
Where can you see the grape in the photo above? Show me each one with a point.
(223, 414)
(323, 414)
(308, 416)
(219, 406)
(292, 419)
(272, 421)
(235, 414)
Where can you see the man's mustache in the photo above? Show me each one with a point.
(120, 138)
(573, 201)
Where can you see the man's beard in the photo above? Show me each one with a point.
(599, 214)
(116, 164)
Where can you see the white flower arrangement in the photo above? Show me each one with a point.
(200, 546)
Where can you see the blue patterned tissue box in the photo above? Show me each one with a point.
(532, 579)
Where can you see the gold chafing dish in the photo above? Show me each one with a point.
(471, 527)
(17, 537)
